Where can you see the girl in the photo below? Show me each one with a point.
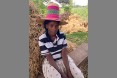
(57, 64)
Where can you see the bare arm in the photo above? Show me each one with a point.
(52, 62)
(66, 62)
(65, 59)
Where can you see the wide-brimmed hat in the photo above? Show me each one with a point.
(52, 14)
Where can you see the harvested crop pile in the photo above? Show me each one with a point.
(64, 16)
(75, 24)
(71, 46)
(35, 59)
(84, 67)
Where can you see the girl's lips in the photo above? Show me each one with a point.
(54, 32)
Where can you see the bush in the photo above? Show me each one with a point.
(67, 8)
(40, 6)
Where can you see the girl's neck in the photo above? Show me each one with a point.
(52, 37)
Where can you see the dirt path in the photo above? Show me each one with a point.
(78, 55)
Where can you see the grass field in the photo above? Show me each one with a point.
(80, 11)
(78, 37)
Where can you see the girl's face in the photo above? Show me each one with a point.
(52, 28)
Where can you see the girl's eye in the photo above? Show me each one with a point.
(51, 25)
(57, 26)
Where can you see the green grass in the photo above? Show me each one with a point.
(80, 11)
(78, 37)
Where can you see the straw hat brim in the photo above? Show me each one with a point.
(61, 21)
(52, 14)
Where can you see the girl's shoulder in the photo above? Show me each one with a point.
(42, 36)
(62, 34)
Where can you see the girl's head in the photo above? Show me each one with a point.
(52, 20)
(51, 27)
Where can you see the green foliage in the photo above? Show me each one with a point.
(40, 6)
(76, 10)
(71, 3)
(67, 6)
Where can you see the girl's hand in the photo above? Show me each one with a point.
(63, 75)
(69, 74)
